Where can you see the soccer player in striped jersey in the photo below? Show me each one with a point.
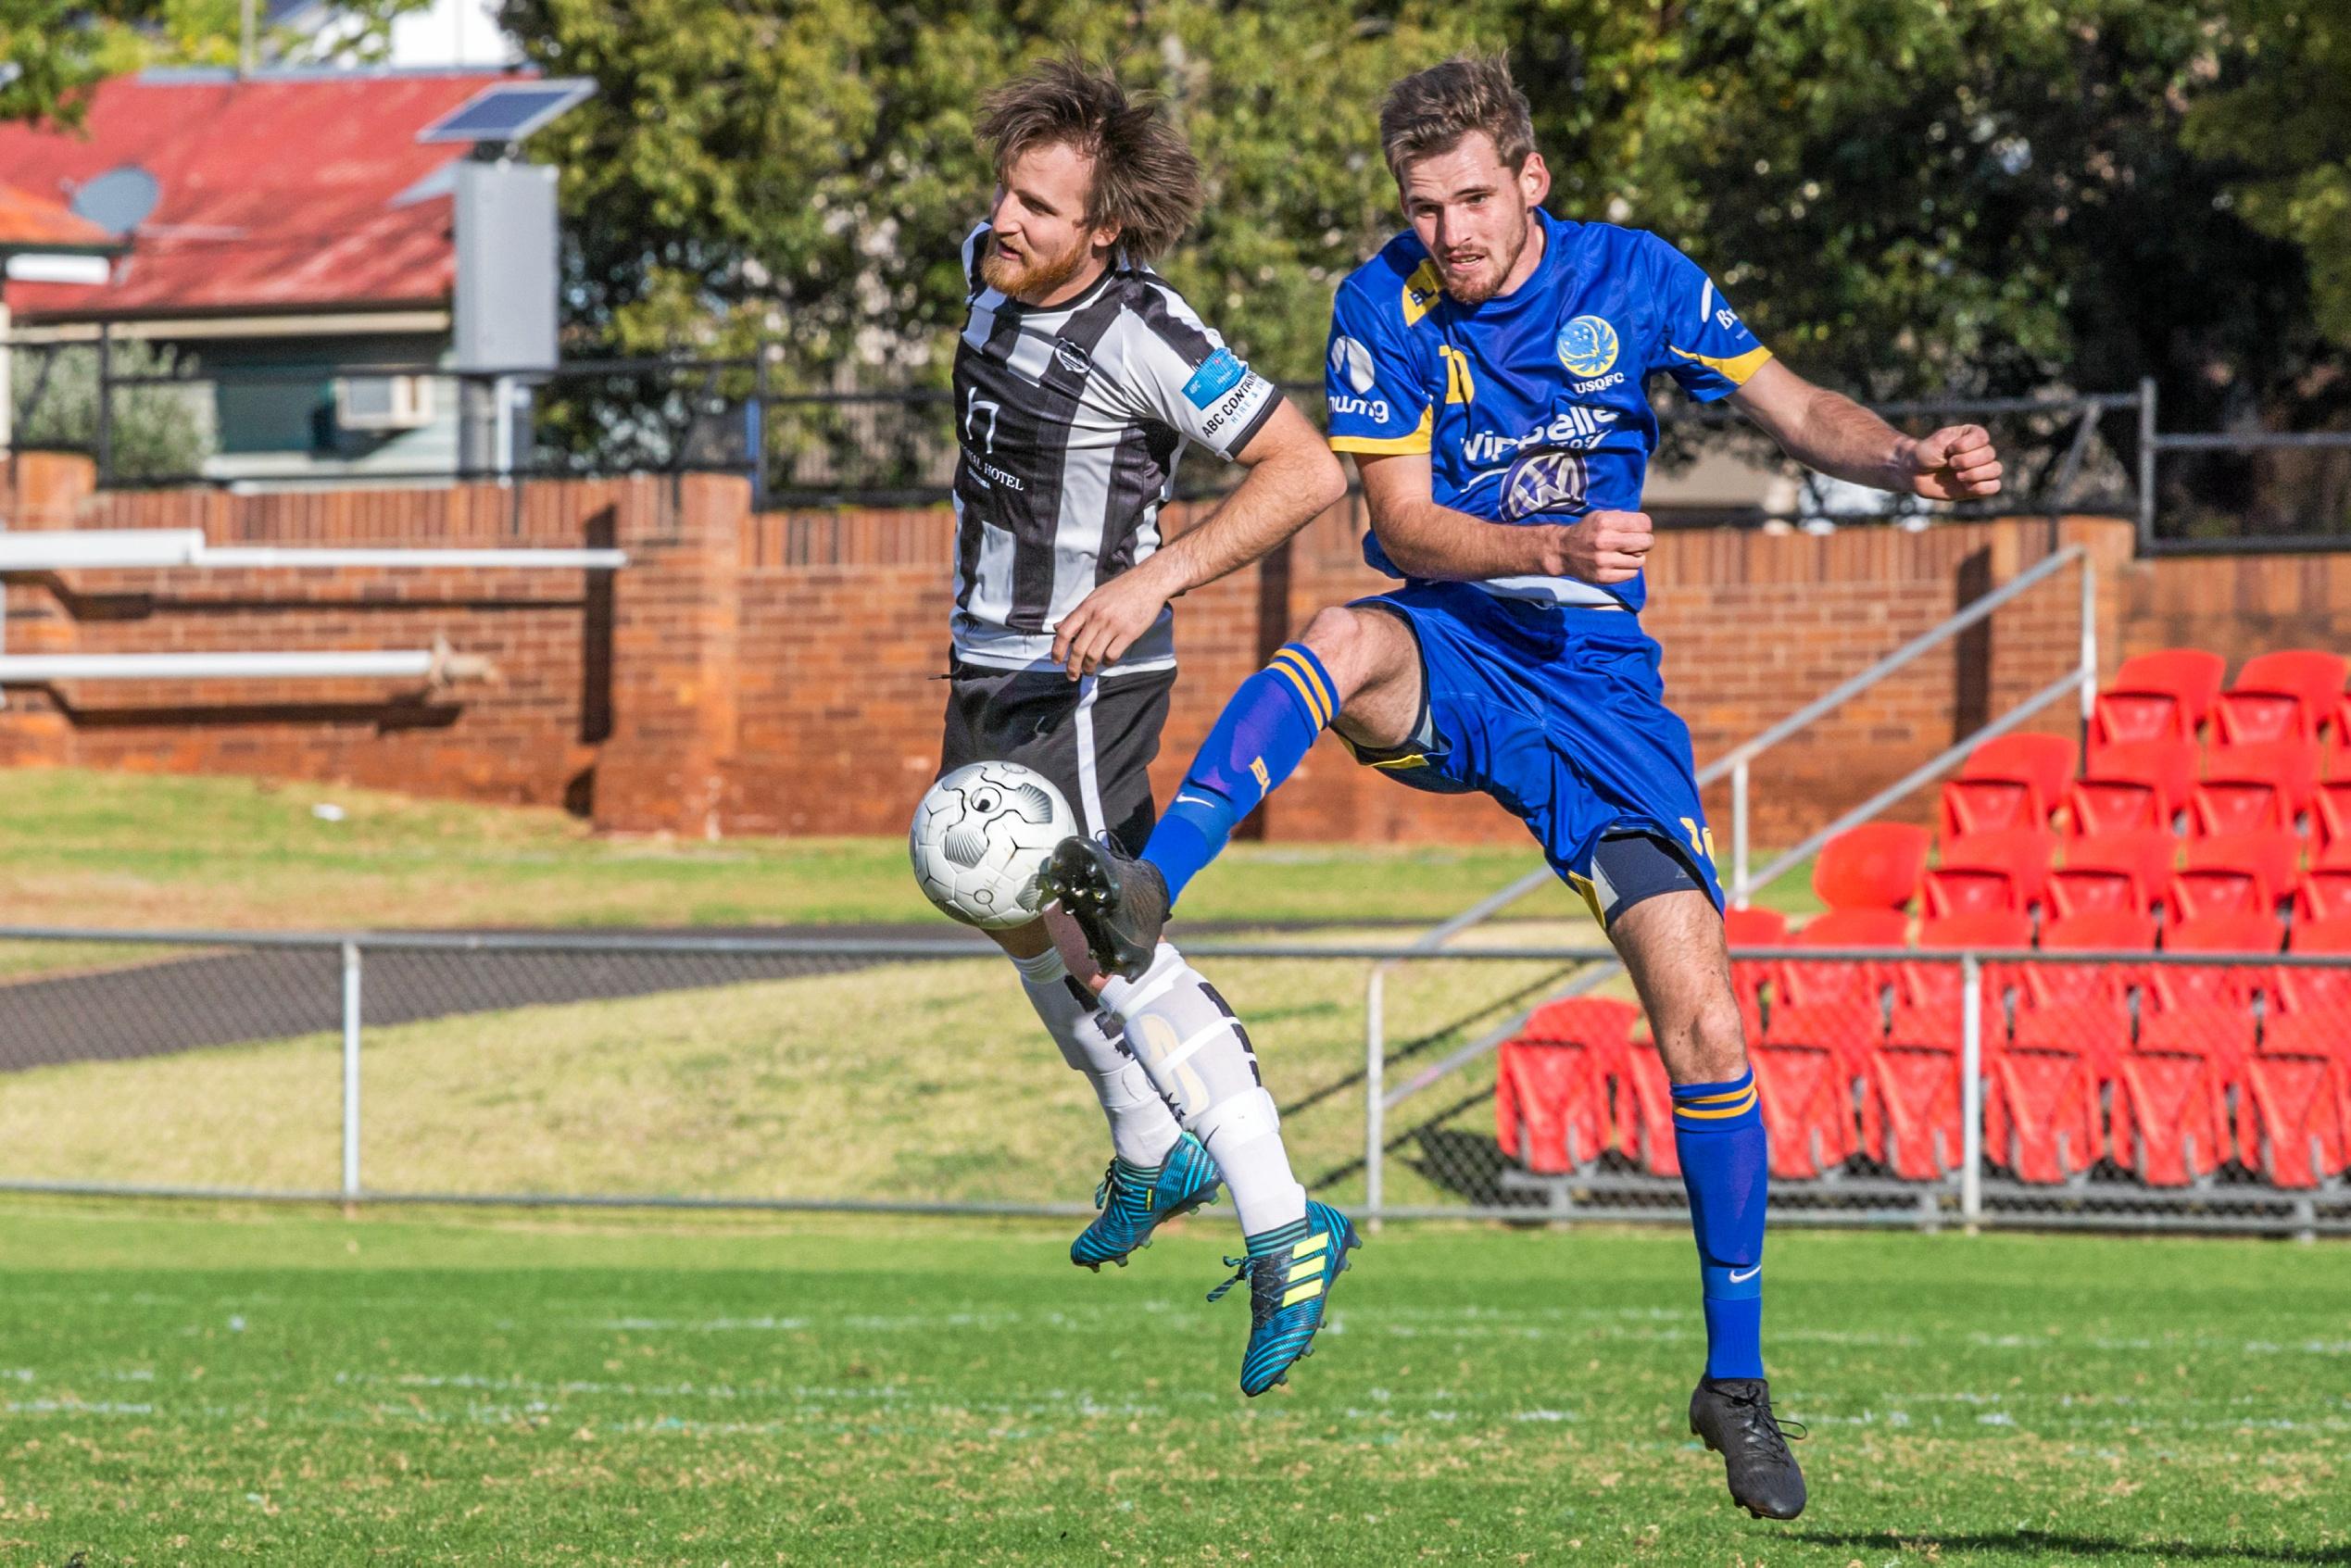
(1490, 369)
(1080, 378)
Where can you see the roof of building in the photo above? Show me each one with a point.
(30, 222)
(290, 191)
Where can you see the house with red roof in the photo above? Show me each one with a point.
(279, 231)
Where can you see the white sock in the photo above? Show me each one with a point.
(1143, 1128)
(1199, 1057)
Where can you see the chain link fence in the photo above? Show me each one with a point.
(1901, 1088)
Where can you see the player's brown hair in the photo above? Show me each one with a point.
(1145, 180)
(1430, 112)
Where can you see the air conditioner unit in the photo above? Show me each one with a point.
(384, 402)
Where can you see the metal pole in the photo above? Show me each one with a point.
(1375, 1090)
(2148, 439)
(1970, 1090)
(105, 405)
(2089, 644)
(1739, 833)
(756, 437)
(350, 1071)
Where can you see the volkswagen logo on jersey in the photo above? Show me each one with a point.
(1543, 481)
(1587, 345)
(1352, 361)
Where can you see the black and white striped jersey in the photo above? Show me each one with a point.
(1071, 422)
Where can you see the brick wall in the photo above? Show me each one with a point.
(2238, 606)
(774, 673)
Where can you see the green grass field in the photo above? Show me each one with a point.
(200, 1387)
(79, 848)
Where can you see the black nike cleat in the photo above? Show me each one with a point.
(1733, 1414)
(1121, 905)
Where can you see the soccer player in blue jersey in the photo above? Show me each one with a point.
(1490, 371)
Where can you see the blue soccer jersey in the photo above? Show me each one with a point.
(1533, 407)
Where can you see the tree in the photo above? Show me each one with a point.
(54, 52)
(156, 431)
(2281, 123)
(806, 174)
(1904, 196)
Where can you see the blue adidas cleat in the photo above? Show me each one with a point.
(1132, 1209)
(1289, 1287)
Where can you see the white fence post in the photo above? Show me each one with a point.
(350, 1071)
(2089, 644)
(1375, 1090)
(1738, 832)
(1970, 1090)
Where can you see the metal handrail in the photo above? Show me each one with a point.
(1736, 760)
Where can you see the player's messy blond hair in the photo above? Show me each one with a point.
(1145, 180)
(1431, 111)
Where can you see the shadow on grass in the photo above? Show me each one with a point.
(2051, 1544)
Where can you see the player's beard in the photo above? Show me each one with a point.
(1010, 276)
(1499, 260)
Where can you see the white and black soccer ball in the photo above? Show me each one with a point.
(980, 838)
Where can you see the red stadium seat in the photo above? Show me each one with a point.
(2127, 872)
(2131, 785)
(2170, 988)
(2236, 872)
(1551, 1097)
(2008, 781)
(1750, 977)
(1755, 928)
(2331, 802)
(2171, 1116)
(1804, 1090)
(2160, 696)
(2294, 1120)
(2324, 892)
(2196, 1027)
(2041, 1115)
(1927, 996)
(2286, 696)
(1833, 982)
(2261, 784)
(1645, 1113)
(1875, 866)
(1911, 1116)
(1987, 872)
(1835, 1003)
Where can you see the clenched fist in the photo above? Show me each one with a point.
(1956, 464)
(1603, 548)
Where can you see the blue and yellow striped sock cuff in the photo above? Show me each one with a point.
(1716, 1107)
(1314, 688)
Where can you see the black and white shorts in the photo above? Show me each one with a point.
(1093, 738)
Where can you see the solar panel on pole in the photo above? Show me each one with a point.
(507, 112)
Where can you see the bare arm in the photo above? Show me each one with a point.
(1830, 433)
(1437, 544)
(1292, 477)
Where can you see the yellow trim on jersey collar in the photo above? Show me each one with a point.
(1735, 369)
(1385, 445)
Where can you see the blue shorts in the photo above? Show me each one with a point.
(1558, 713)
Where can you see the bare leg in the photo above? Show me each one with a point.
(1672, 946)
(1375, 663)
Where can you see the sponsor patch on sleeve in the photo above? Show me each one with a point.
(1218, 374)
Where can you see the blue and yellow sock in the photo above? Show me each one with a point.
(1265, 732)
(1725, 1168)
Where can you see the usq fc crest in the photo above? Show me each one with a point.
(1587, 345)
